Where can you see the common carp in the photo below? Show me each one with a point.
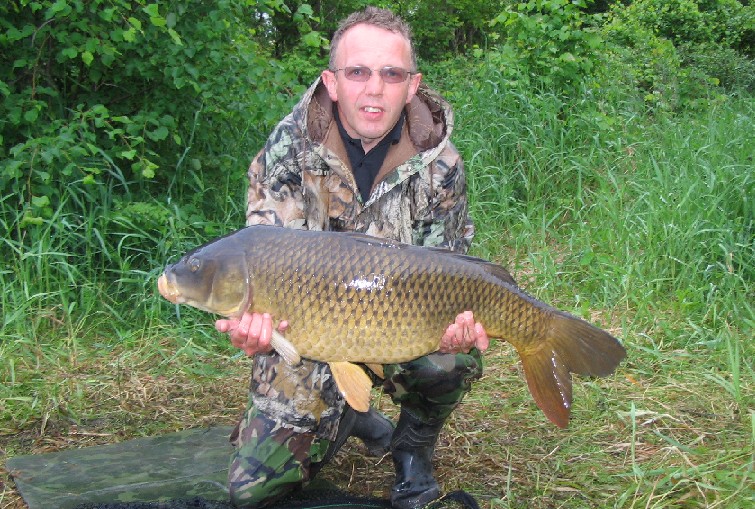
(352, 298)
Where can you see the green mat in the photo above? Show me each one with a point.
(183, 465)
(184, 470)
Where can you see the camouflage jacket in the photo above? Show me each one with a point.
(302, 178)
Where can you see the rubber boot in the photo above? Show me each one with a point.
(374, 429)
(412, 447)
(371, 427)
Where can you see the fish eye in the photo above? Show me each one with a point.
(194, 264)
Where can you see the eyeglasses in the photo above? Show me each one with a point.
(362, 73)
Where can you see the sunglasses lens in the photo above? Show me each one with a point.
(389, 74)
(393, 74)
(357, 73)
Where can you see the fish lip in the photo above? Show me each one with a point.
(167, 289)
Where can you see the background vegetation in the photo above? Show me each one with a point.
(609, 147)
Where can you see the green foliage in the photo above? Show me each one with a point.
(639, 222)
(115, 90)
(442, 29)
(677, 51)
(122, 121)
(548, 172)
(554, 41)
(723, 22)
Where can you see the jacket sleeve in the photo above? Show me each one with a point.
(275, 184)
(448, 223)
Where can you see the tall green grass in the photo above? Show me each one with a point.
(643, 224)
(632, 209)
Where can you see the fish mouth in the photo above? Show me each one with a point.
(167, 290)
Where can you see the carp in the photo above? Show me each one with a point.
(351, 298)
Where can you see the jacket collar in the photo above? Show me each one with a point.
(429, 120)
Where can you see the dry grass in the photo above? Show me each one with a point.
(118, 397)
(654, 435)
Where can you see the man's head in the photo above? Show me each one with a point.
(374, 44)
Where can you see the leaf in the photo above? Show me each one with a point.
(30, 219)
(135, 23)
(87, 57)
(59, 6)
(567, 57)
(129, 35)
(305, 10)
(158, 134)
(148, 171)
(40, 201)
(107, 14)
(152, 10)
(312, 39)
(592, 40)
(176, 38)
(31, 115)
(69, 52)
(92, 44)
(100, 109)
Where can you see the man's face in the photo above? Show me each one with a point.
(369, 109)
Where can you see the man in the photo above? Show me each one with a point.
(366, 149)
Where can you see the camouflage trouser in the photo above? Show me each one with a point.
(293, 416)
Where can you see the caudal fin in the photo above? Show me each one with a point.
(571, 346)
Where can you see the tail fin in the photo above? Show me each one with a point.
(571, 346)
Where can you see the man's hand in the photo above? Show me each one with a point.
(251, 333)
(463, 335)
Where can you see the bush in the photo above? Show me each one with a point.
(125, 90)
(555, 40)
(679, 50)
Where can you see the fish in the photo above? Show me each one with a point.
(350, 299)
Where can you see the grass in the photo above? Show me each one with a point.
(642, 224)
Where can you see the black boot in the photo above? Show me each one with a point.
(412, 447)
(371, 427)
(375, 430)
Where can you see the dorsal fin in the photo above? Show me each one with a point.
(375, 241)
(494, 269)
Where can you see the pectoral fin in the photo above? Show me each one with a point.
(285, 348)
(353, 383)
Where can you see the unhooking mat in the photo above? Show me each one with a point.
(191, 463)
(184, 470)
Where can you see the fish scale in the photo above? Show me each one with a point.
(404, 300)
(351, 298)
